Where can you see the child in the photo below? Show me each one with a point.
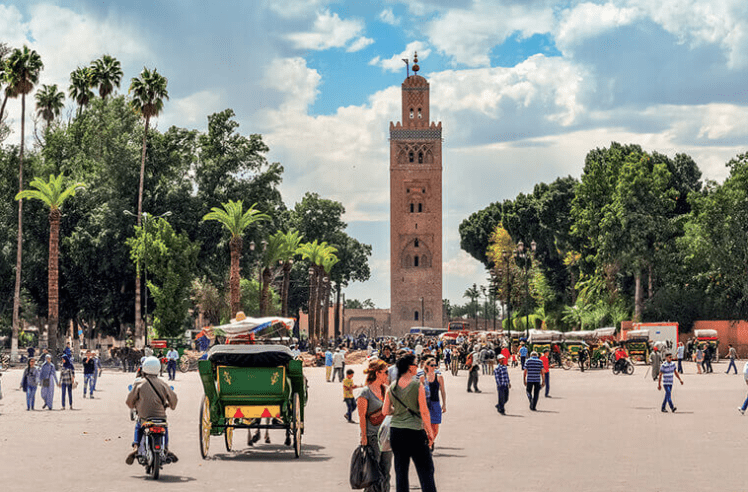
(348, 398)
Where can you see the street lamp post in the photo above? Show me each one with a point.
(485, 306)
(526, 262)
(508, 315)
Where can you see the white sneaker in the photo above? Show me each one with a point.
(740, 409)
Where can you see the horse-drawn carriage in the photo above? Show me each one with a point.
(251, 386)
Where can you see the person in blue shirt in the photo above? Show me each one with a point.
(667, 371)
(328, 365)
(534, 376)
(522, 354)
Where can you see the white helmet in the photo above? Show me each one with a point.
(151, 365)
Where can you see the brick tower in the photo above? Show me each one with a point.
(415, 211)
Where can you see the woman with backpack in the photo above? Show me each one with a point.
(29, 382)
(410, 431)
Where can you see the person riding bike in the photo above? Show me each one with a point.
(621, 356)
(150, 397)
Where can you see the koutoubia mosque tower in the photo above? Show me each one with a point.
(415, 211)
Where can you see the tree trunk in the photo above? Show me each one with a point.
(638, 294)
(337, 310)
(318, 304)
(286, 288)
(53, 273)
(138, 316)
(326, 309)
(311, 309)
(2, 108)
(17, 291)
(650, 290)
(235, 246)
(264, 298)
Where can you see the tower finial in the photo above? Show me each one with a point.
(416, 68)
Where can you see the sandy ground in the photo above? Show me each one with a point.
(598, 432)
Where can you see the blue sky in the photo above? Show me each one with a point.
(524, 88)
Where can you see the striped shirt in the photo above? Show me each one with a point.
(667, 369)
(534, 369)
(502, 375)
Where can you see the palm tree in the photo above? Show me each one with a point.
(233, 217)
(473, 294)
(106, 74)
(148, 94)
(22, 73)
(49, 103)
(53, 194)
(291, 241)
(327, 263)
(270, 264)
(317, 254)
(80, 87)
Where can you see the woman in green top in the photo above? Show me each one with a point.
(410, 431)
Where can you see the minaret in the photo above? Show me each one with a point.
(415, 211)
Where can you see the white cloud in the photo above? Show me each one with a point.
(297, 82)
(388, 17)
(395, 62)
(359, 44)
(462, 265)
(328, 31)
(467, 36)
(587, 20)
(191, 111)
(295, 8)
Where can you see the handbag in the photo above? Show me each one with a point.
(364, 468)
(375, 418)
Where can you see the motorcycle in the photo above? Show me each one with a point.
(152, 452)
(623, 365)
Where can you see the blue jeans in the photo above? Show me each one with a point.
(668, 398)
(171, 369)
(745, 404)
(139, 435)
(88, 382)
(503, 392)
(547, 383)
(351, 404)
(680, 366)
(732, 364)
(69, 389)
(30, 397)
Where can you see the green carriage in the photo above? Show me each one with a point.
(251, 387)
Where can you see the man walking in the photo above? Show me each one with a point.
(732, 355)
(547, 367)
(741, 409)
(533, 379)
(681, 354)
(656, 362)
(171, 363)
(501, 374)
(337, 363)
(522, 354)
(667, 370)
(473, 363)
(89, 371)
(328, 366)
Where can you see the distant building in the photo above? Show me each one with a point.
(415, 211)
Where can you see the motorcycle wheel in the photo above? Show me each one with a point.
(567, 364)
(629, 369)
(155, 465)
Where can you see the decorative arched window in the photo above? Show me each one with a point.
(415, 243)
(411, 113)
(420, 158)
(419, 114)
(415, 261)
(424, 261)
(420, 208)
(415, 315)
(411, 157)
(412, 207)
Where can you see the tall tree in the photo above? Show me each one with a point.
(80, 87)
(235, 220)
(148, 95)
(106, 74)
(5, 80)
(23, 67)
(49, 103)
(53, 194)
(291, 241)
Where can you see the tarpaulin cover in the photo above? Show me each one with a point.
(250, 355)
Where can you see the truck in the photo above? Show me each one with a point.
(664, 334)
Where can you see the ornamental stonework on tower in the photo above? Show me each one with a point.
(415, 211)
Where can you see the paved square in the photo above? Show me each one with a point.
(597, 432)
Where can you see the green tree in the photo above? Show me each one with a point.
(80, 87)
(171, 259)
(49, 103)
(290, 244)
(317, 254)
(53, 194)
(148, 95)
(235, 220)
(106, 74)
(22, 73)
(5, 80)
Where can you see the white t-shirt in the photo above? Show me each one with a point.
(337, 359)
(745, 371)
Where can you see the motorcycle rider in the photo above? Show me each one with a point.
(150, 397)
(621, 356)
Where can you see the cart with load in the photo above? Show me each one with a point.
(251, 387)
(708, 337)
(637, 345)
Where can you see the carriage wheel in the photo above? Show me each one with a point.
(296, 424)
(184, 363)
(228, 435)
(205, 426)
